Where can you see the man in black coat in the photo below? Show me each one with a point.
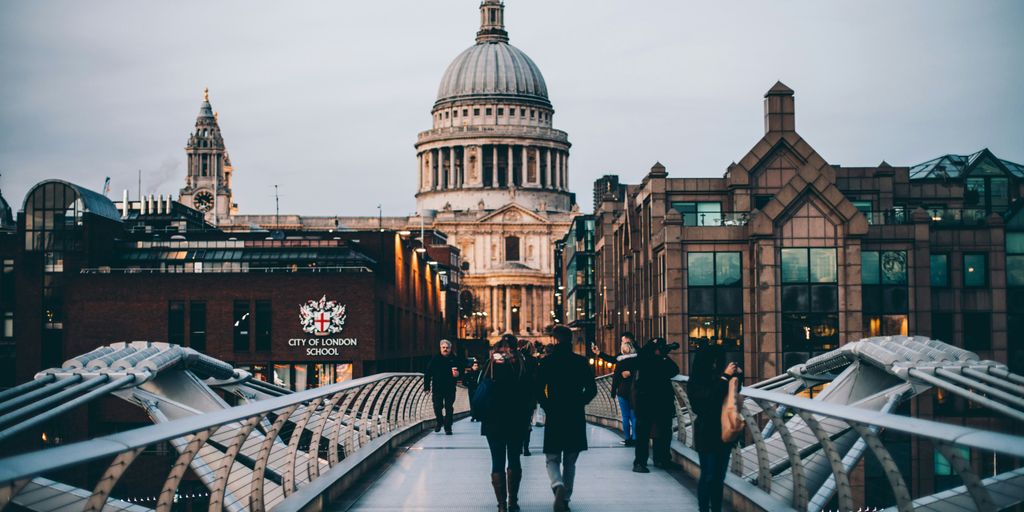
(654, 400)
(565, 385)
(442, 373)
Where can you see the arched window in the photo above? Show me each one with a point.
(511, 248)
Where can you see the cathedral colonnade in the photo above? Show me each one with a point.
(493, 165)
(520, 309)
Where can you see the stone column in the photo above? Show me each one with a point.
(479, 181)
(492, 310)
(435, 179)
(526, 166)
(451, 167)
(547, 168)
(565, 171)
(510, 167)
(494, 165)
(508, 308)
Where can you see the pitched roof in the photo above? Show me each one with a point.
(955, 166)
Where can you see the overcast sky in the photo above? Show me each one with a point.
(325, 98)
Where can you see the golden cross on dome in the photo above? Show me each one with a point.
(206, 94)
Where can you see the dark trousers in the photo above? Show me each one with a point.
(711, 484)
(444, 401)
(504, 448)
(658, 429)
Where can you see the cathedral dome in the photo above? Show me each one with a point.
(493, 70)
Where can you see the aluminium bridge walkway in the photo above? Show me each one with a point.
(451, 473)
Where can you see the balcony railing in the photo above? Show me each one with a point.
(703, 219)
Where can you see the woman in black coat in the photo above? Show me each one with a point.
(707, 389)
(507, 419)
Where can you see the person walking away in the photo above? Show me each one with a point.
(470, 379)
(565, 385)
(622, 384)
(442, 373)
(507, 419)
(530, 362)
(708, 386)
(654, 400)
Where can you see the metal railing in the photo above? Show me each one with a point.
(716, 219)
(801, 453)
(250, 457)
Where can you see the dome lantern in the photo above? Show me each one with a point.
(492, 22)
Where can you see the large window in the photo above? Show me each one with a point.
(865, 208)
(197, 326)
(975, 271)
(884, 293)
(176, 322)
(1015, 260)
(977, 331)
(715, 295)
(939, 270)
(241, 326)
(263, 331)
(700, 214)
(810, 300)
(511, 248)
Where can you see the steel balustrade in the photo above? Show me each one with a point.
(252, 456)
(803, 452)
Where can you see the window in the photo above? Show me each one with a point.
(476, 111)
(975, 274)
(942, 327)
(489, 111)
(532, 113)
(885, 296)
(715, 300)
(176, 322)
(501, 111)
(761, 201)
(1015, 260)
(865, 208)
(446, 114)
(8, 327)
(465, 112)
(197, 326)
(939, 270)
(977, 331)
(700, 214)
(810, 299)
(241, 326)
(511, 248)
(263, 331)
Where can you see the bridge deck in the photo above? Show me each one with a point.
(452, 473)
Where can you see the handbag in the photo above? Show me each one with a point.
(481, 402)
(732, 422)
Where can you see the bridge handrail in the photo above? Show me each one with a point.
(39, 462)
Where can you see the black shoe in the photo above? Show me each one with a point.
(640, 468)
(630, 442)
(668, 465)
(437, 428)
(560, 505)
(447, 432)
(527, 452)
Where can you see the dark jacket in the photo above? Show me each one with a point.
(622, 386)
(653, 396)
(439, 373)
(471, 378)
(512, 394)
(706, 400)
(564, 386)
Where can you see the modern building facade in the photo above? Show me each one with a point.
(574, 279)
(300, 309)
(787, 256)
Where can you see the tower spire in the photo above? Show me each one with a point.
(492, 22)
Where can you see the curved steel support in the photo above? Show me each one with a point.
(106, 484)
(982, 499)
(353, 418)
(220, 480)
(368, 431)
(835, 461)
(257, 496)
(378, 406)
(339, 426)
(318, 435)
(764, 467)
(293, 447)
(800, 497)
(165, 501)
(892, 471)
(403, 404)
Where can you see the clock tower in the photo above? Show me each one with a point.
(208, 183)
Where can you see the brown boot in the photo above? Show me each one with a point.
(515, 476)
(500, 491)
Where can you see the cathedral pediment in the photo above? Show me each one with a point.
(512, 214)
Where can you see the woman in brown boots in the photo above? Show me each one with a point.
(505, 416)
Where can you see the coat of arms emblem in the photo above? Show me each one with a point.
(321, 317)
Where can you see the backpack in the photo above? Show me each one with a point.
(732, 422)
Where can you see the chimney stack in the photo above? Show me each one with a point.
(778, 109)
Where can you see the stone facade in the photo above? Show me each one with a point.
(208, 179)
(787, 255)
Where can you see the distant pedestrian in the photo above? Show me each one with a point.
(707, 389)
(531, 362)
(622, 384)
(506, 419)
(565, 385)
(470, 379)
(654, 401)
(442, 374)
